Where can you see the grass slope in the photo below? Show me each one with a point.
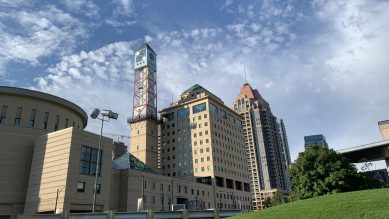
(361, 204)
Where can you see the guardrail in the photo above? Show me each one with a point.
(185, 214)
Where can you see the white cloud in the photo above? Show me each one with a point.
(326, 76)
(37, 34)
(84, 7)
(101, 78)
(123, 14)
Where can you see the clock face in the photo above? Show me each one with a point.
(140, 55)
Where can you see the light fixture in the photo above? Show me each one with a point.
(110, 115)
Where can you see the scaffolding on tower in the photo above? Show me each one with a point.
(145, 95)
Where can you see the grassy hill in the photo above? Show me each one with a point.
(361, 204)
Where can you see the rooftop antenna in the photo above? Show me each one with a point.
(244, 70)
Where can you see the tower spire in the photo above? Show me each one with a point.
(244, 70)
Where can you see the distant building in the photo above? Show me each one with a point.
(285, 144)
(119, 149)
(266, 145)
(312, 140)
(384, 129)
(285, 152)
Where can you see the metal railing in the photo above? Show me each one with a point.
(185, 214)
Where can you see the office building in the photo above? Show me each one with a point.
(265, 144)
(198, 139)
(203, 141)
(313, 140)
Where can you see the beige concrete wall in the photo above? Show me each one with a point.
(384, 129)
(56, 165)
(144, 142)
(82, 201)
(207, 193)
(49, 172)
(17, 141)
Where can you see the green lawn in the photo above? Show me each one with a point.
(362, 204)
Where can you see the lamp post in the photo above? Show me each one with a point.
(110, 115)
(56, 199)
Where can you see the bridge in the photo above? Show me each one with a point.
(369, 152)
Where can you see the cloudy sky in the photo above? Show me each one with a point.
(322, 65)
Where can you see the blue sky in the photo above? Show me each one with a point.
(322, 65)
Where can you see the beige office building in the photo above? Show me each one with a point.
(202, 141)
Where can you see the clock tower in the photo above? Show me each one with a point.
(144, 120)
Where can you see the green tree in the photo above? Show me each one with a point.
(277, 199)
(319, 171)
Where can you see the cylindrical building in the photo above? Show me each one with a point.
(24, 115)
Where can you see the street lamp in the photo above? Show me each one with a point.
(110, 115)
(56, 199)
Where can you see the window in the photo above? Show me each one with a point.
(18, 115)
(3, 114)
(46, 119)
(223, 113)
(66, 123)
(169, 117)
(81, 187)
(98, 188)
(161, 200)
(205, 116)
(239, 123)
(32, 118)
(56, 123)
(178, 189)
(199, 108)
(213, 108)
(182, 112)
(88, 161)
(153, 199)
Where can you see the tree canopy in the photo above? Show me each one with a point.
(319, 171)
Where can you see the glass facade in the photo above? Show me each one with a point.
(199, 108)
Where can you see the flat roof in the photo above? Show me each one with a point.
(383, 122)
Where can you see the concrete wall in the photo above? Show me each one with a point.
(56, 165)
(207, 194)
(17, 140)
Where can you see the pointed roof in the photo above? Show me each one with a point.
(145, 45)
(247, 91)
(129, 161)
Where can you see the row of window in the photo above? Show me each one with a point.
(32, 119)
(81, 187)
